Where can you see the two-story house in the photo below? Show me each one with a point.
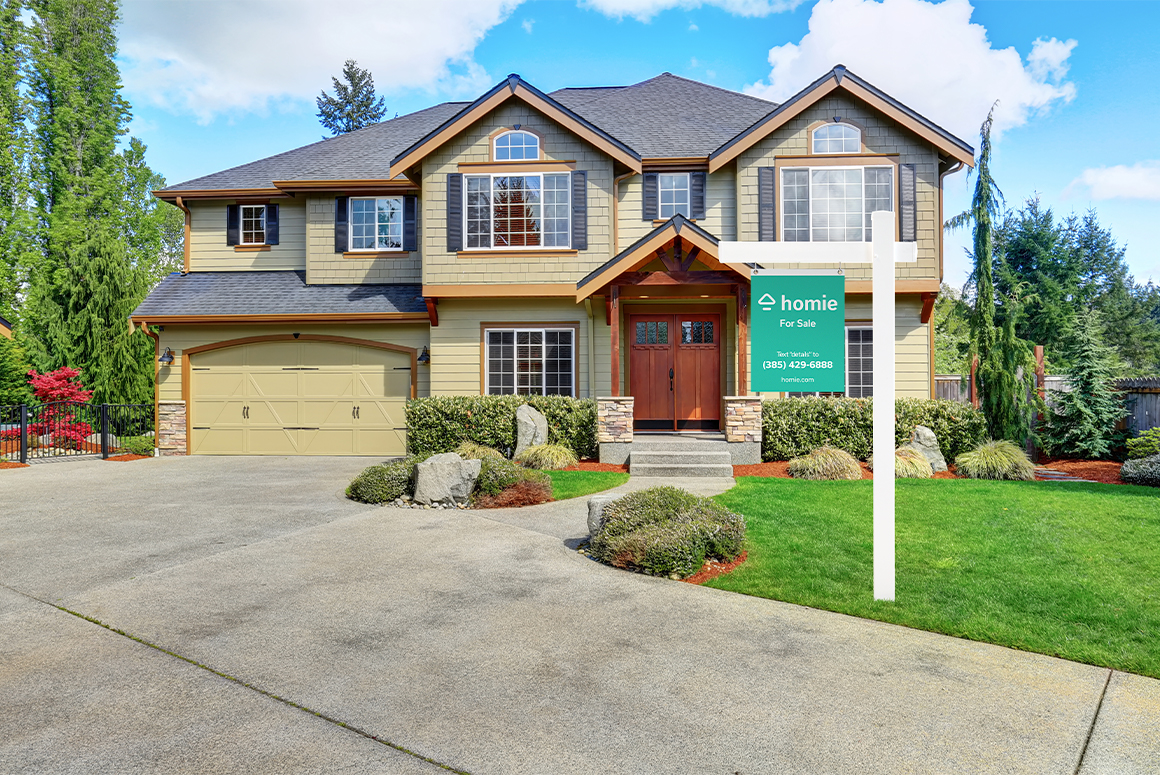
(562, 243)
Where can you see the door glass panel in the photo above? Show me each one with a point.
(662, 332)
(697, 332)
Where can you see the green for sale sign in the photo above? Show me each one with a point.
(798, 330)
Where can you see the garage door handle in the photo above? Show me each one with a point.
(299, 368)
(299, 429)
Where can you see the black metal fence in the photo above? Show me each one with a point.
(70, 429)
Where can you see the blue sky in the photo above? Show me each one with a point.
(215, 83)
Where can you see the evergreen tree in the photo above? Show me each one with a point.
(353, 105)
(15, 222)
(14, 370)
(952, 333)
(1083, 421)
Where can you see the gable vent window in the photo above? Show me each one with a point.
(517, 146)
(837, 138)
(376, 223)
(253, 224)
(833, 204)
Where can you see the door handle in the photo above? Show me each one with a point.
(245, 412)
(670, 380)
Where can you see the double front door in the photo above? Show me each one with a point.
(675, 370)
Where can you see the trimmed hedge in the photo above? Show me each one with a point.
(793, 427)
(137, 445)
(440, 423)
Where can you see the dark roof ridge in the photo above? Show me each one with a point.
(730, 92)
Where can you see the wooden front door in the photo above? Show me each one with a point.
(675, 371)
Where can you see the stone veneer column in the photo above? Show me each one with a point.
(743, 429)
(614, 428)
(171, 427)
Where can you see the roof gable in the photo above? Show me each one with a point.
(841, 79)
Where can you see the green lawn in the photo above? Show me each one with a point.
(572, 484)
(1071, 570)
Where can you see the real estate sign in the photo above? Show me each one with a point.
(798, 330)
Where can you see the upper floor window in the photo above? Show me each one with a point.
(517, 146)
(837, 138)
(253, 224)
(674, 194)
(833, 204)
(517, 211)
(376, 223)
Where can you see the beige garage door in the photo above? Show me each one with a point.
(299, 398)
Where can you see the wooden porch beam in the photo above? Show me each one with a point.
(432, 312)
(675, 278)
(742, 339)
(688, 262)
(928, 306)
(614, 325)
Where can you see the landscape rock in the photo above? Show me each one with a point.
(596, 506)
(925, 442)
(445, 479)
(531, 429)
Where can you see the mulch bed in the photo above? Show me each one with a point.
(127, 457)
(12, 464)
(1106, 471)
(713, 569)
(593, 465)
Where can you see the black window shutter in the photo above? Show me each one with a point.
(580, 210)
(650, 209)
(233, 215)
(907, 228)
(271, 224)
(341, 241)
(697, 195)
(766, 211)
(454, 212)
(410, 222)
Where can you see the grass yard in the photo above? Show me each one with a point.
(573, 484)
(1071, 570)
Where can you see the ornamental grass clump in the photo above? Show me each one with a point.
(825, 463)
(547, 457)
(666, 531)
(1144, 471)
(469, 450)
(384, 483)
(909, 463)
(996, 460)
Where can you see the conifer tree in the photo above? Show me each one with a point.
(1083, 421)
(15, 222)
(353, 105)
(14, 370)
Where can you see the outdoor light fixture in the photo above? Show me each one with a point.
(166, 358)
(424, 357)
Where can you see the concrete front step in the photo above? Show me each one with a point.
(679, 471)
(681, 457)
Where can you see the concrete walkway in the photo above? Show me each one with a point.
(478, 640)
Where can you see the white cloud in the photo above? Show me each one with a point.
(219, 56)
(931, 57)
(1140, 181)
(643, 10)
(527, 25)
(693, 27)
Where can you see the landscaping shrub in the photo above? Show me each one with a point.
(548, 457)
(995, 460)
(1146, 444)
(909, 463)
(137, 445)
(440, 423)
(828, 463)
(665, 530)
(1145, 471)
(496, 474)
(384, 483)
(792, 427)
(525, 492)
(469, 450)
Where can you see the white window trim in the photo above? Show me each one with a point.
(688, 188)
(491, 176)
(495, 145)
(814, 133)
(543, 357)
(350, 225)
(781, 193)
(242, 224)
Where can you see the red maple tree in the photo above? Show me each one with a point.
(61, 389)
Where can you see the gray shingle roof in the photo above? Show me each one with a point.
(667, 116)
(362, 155)
(272, 293)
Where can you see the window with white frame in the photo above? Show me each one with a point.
(837, 138)
(253, 224)
(673, 190)
(518, 211)
(516, 146)
(859, 366)
(376, 223)
(530, 361)
(833, 204)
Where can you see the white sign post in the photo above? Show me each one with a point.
(882, 253)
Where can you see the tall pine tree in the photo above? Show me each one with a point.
(15, 221)
(353, 105)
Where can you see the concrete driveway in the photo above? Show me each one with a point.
(241, 616)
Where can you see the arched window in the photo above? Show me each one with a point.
(837, 138)
(514, 146)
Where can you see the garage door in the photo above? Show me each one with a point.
(299, 398)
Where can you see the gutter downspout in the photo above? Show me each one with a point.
(591, 349)
(185, 240)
